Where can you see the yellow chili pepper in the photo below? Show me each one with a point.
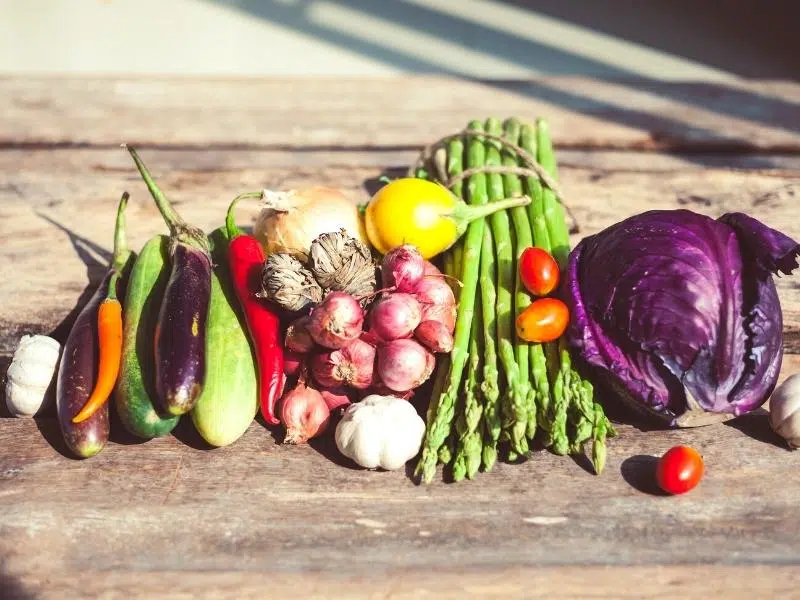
(424, 214)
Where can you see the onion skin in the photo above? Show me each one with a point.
(337, 398)
(438, 301)
(403, 268)
(304, 414)
(351, 366)
(435, 336)
(404, 365)
(292, 363)
(395, 316)
(336, 321)
(292, 220)
(298, 339)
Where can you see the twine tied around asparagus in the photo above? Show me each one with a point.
(435, 154)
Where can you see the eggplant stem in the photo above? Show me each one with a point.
(121, 251)
(180, 231)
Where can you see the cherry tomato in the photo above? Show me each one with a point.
(679, 470)
(538, 271)
(543, 321)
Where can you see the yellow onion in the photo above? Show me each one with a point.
(291, 220)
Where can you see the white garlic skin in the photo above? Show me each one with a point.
(30, 375)
(784, 410)
(380, 432)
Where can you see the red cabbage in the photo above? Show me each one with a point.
(679, 312)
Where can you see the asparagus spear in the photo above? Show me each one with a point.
(552, 208)
(468, 456)
(541, 239)
(515, 413)
(522, 231)
(489, 387)
(441, 410)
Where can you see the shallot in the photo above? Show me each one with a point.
(404, 364)
(292, 363)
(298, 339)
(395, 316)
(351, 366)
(435, 336)
(304, 414)
(403, 268)
(438, 301)
(337, 398)
(336, 321)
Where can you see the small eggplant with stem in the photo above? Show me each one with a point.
(80, 358)
(180, 334)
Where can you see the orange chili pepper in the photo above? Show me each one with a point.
(109, 332)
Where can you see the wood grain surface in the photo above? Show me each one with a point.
(172, 518)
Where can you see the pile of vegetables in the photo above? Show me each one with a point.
(459, 277)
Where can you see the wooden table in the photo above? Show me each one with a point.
(254, 520)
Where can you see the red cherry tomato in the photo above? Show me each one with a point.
(543, 321)
(538, 271)
(679, 470)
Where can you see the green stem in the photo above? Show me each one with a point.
(230, 218)
(180, 231)
(464, 214)
(121, 251)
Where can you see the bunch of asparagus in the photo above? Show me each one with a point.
(514, 392)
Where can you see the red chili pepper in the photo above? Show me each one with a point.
(246, 259)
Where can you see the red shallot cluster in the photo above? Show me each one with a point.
(341, 352)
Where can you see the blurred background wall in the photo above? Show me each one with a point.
(660, 39)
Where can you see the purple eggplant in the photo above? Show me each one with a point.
(180, 334)
(77, 371)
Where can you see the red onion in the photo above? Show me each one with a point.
(395, 316)
(435, 290)
(402, 268)
(446, 315)
(352, 366)
(336, 321)
(292, 363)
(337, 397)
(435, 336)
(404, 365)
(298, 339)
(304, 414)
(438, 301)
(430, 270)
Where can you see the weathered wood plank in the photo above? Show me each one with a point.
(56, 199)
(258, 507)
(623, 583)
(394, 112)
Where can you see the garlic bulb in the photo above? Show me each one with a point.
(380, 431)
(30, 374)
(784, 411)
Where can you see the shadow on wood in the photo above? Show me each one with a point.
(51, 432)
(95, 270)
(640, 473)
(186, 433)
(756, 425)
(11, 589)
